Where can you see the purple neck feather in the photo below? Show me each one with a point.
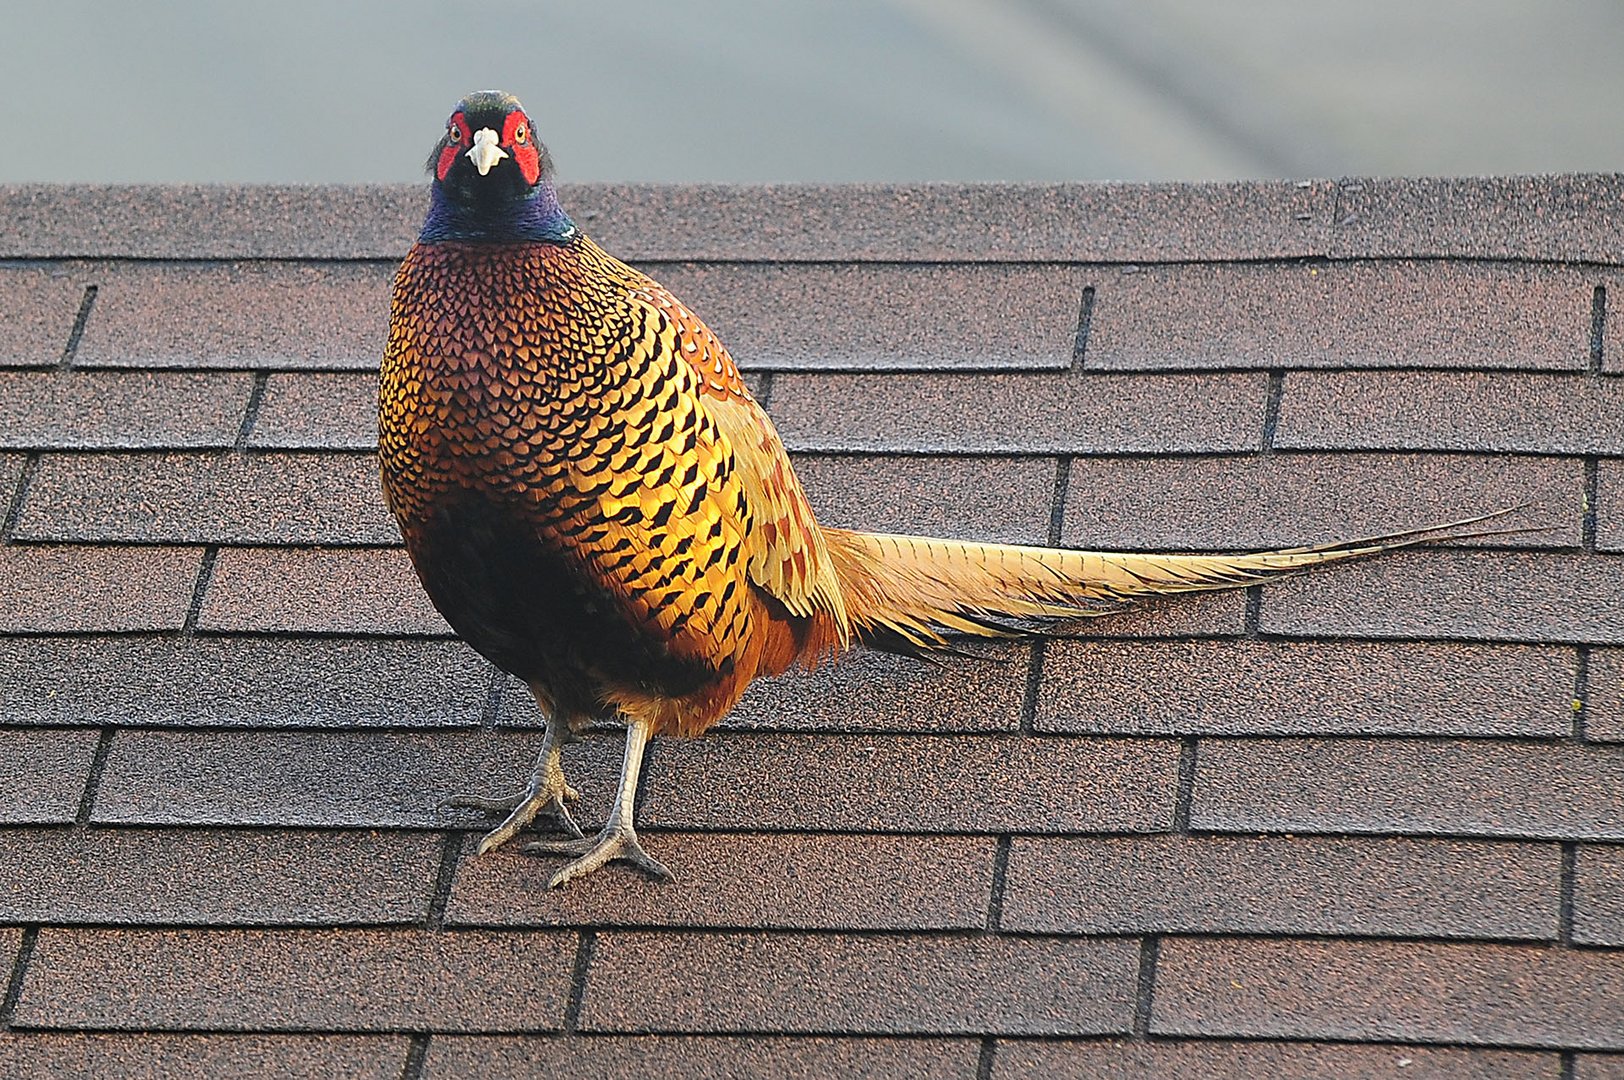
(536, 217)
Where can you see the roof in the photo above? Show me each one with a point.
(1365, 822)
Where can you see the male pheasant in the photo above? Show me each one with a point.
(594, 501)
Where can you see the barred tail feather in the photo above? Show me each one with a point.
(918, 588)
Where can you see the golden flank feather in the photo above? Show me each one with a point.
(594, 501)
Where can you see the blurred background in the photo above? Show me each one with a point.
(818, 90)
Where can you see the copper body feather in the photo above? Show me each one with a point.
(587, 489)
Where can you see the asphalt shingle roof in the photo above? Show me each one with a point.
(1368, 822)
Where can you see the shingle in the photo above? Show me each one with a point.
(49, 589)
(11, 470)
(10, 941)
(1598, 895)
(800, 881)
(1561, 218)
(1282, 885)
(1520, 995)
(1208, 614)
(1475, 595)
(1041, 414)
(123, 410)
(316, 591)
(37, 311)
(1610, 498)
(728, 782)
(1552, 790)
(699, 1057)
(297, 980)
(992, 222)
(888, 316)
(1280, 500)
(80, 1056)
(1212, 1059)
(318, 410)
(924, 984)
(280, 682)
(238, 315)
(1447, 410)
(968, 783)
(43, 773)
(214, 877)
(325, 779)
(873, 691)
(208, 498)
(1604, 706)
(1281, 687)
(1598, 1067)
(1340, 314)
(1003, 500)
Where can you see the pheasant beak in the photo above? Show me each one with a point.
(486, 153)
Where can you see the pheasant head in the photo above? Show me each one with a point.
(493, 177)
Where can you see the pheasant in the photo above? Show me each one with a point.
(595, 503)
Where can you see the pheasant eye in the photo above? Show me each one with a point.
(454, 133)
(519, 134)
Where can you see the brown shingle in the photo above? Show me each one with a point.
(1598, 1067)
(1281, 500)
(967, 783)
(1604, 706)
(1552, 790)
(78, 1056)
(998, 499)
(1482, 595)
(1341, 314)
(1281, 687)
(1281, 885)
(11, 470)
(1519, 995)
(49, 589)
(1021, 413)
(801, 880)
(1598, 895)
(323, 779)
(214, 877)
(122, 410)
(43, 773)
(699, 1057)
(208, 498)
(315, 591)
(297, 980)
(874, 691)
(279, 682)
(37, 311)
(1435, 410)
(855, 316)
(729, 782)
(1610, 498)
(238, 315)
(318, 410)
(1563, 218)
(1213, 1059)
(862, 985)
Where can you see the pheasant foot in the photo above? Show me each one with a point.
(547, 791)
(616, 841)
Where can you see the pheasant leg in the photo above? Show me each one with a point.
(618, 840)
(547, 790)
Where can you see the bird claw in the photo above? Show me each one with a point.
(615, 842)
(522, 809)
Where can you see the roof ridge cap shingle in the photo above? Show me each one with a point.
(1572, 217)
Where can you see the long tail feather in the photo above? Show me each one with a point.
(919, 588)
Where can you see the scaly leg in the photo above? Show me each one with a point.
(547, 790)
(618, 840)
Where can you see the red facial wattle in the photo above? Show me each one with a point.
(520, 141)
(458, 138)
